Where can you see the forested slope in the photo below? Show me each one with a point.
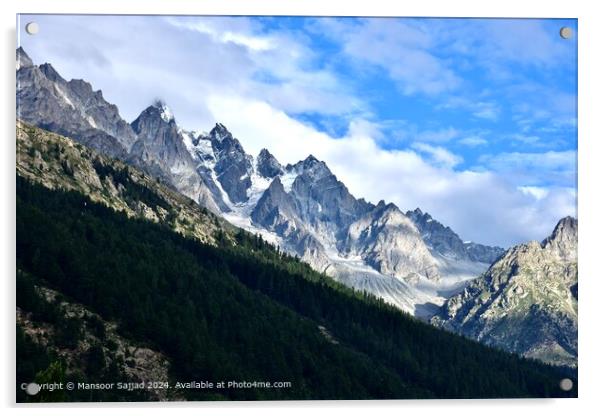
(240, 310)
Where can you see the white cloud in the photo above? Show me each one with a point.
(438, 136)
(438, 155)
(472, 141)
(486, 110)
(401, 48)
(533, 169)
(239, 34)
(183, 59)
(551, 160)
(524, 41)
(525, 139)
(536, 191)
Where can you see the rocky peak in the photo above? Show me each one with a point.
(482, 253)
(223, 142)
(312, 163)
(233, 166)
(526, 302)
(267, 165)
(220, 132)
(23, 60)
(51, 73)
(161, 146)
(388, 212)
(159, 137)
(419, 215)
(276, 186)
(84, 90)
(45, 99)
(416, 212)
(158, 113)
(322, 198)
(311, 170)
(563, 240)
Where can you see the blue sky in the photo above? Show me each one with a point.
(473, 120)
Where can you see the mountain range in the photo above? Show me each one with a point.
(120, 277)
(409, 259)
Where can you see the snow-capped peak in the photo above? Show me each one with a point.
(165, 112)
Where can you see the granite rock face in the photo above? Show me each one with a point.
(232, 164)
(71, 108)
(267, 165)
(390, 242)
(160, 149)
(526, 302)
(321, 198)
(159, 140)
(276, 210)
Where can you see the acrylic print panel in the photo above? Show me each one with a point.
(260, 208)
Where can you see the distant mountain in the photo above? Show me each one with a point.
(446, 242)
(526, 302)
(407, 259)
(390, 242)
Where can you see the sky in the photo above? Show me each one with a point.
(472, 120)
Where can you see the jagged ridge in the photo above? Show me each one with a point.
(302, 207)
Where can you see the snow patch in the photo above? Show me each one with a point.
(244, 222)
(201, 149)
(63, 95)
(90, 120)
(187, 138)
(287, 180)
(204, 147)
